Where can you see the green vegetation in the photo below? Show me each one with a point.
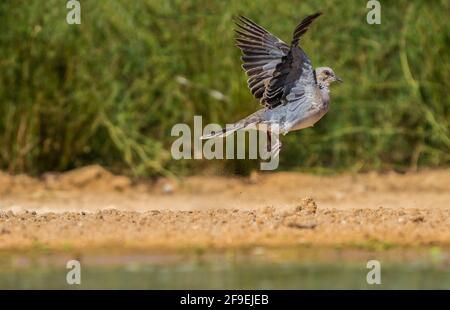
(108, 91)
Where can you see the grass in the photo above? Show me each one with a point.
(108, 91)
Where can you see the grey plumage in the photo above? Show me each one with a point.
(281, 76)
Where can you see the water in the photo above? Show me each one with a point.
(222, 273)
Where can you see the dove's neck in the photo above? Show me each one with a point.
(325, 92)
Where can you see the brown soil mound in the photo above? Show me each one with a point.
(91, 207)
(222, 228)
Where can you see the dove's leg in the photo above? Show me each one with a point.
(273, 144)
(276, 148)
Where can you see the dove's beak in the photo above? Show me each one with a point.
(338, 79)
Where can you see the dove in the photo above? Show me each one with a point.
(293, 94)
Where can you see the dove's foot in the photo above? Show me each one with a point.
(273, 149)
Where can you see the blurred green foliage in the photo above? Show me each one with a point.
(108, 91)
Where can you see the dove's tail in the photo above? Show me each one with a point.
(251, 120)
(223, 132)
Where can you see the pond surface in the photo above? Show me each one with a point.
(222, 272)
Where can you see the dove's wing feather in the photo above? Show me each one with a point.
(304, 86)
(293, 74)
(303, 27)
(262, 52)
(291, 79)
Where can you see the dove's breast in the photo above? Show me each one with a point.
(317, 109)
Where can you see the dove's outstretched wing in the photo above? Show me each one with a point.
(278, 73)
(295, 75)
(262, 52)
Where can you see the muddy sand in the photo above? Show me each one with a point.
(90, 208)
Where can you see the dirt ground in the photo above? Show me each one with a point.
(92, 208)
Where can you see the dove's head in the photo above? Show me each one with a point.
(325, 76)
